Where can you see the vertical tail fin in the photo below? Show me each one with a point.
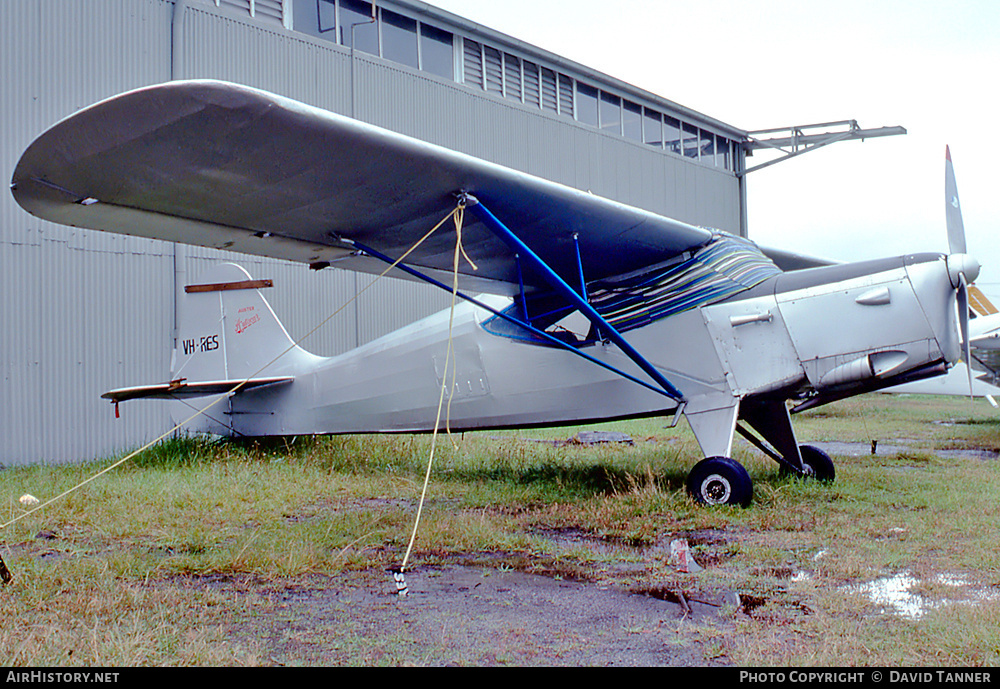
(227, 331)
(228, 338)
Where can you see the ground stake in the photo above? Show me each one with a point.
(5, 574)
(401, 588)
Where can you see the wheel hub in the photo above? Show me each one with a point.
(716, 489)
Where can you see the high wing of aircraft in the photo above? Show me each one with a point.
(594, 310)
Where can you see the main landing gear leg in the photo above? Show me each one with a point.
(718, 479)
(721, 480)
(770, 418)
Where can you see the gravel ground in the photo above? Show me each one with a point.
(462, 615)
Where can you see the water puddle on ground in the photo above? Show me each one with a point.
(895, 446)
(899, 594)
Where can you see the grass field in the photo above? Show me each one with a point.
(120, 571)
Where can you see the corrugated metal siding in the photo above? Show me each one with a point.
(84, 312)
(492, 127)
(284, 62)
(67, 330)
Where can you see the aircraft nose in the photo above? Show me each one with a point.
(962, 264)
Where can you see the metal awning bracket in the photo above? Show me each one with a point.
(790, 142)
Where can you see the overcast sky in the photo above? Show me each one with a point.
(932, 67)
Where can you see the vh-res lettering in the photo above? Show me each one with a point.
(595, 310)
(205, 343)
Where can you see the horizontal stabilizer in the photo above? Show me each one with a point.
(181, 390)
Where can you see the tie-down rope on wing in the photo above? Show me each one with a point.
(457, 213)
(449, 362)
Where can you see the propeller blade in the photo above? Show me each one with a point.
(952, 209)
(963, 324)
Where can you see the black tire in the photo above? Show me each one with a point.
(817, 464)
(720, 481)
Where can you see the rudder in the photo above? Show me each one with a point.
(228, 331)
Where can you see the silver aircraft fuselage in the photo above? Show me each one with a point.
(816, 334)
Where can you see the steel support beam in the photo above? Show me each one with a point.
(801, 139)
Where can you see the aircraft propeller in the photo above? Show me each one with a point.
(963, 269)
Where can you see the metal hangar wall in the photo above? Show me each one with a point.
(84, 312)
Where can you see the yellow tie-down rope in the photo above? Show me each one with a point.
(449, 364)
(457, 213)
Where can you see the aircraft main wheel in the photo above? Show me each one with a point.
(720, 481)
(817, 464)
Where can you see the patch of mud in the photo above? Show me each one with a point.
(882, 449)
(496, 610)
(568, 539)
(461, 615)
(968, 454)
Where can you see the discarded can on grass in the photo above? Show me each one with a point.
(680, 556)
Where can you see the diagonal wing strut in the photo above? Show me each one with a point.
(541, 334)
(571, 295)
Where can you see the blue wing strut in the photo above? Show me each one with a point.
(374, 253)
(571, 295)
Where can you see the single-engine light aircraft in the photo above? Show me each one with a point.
(592, 309)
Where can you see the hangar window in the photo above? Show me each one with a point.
(403, 39)
(723, 153)
(566, 104)
(357, 26)
(550, 97)
(690, 141)
(408, 41)
(512, 76)
(326, 14)
(508, 75)
(586, 104)
(493, 69)
(707, 147)
(473, 63)
(611, 113)
(632, 120)
(315, 17)
(436, 51)
(399, 38)
(652, 128)
(672, 134)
